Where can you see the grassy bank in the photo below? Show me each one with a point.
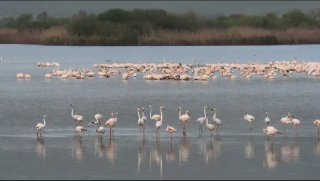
(232, 36)
(158, 27)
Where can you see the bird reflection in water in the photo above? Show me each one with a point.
(271, 159)
(184, 151)
(141, 153)
(290, 153)
(249, 150)
(317, 149)
(170, 155)
(40, 148)
(212, 150)
(156, 156)
(99, 147)
(111, 151)
(77, 148)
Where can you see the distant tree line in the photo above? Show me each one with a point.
(128, 26)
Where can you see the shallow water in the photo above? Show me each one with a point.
(235, 154)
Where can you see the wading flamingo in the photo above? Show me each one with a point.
(41, 126)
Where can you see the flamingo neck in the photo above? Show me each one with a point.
(205, 113)
(207, 122)
(214, 115)
(150, 112)
(139, 114)
(179, 112)
(71, 111)
(161, 116)
(44, 121)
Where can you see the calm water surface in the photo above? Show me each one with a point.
(235, 154)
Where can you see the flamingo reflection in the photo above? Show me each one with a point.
(249, 150)
(271, 159)
(77, 148)
(155, 155)
(111, 151)
(184, 151)
(40, 148)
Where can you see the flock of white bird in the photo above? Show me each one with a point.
(178, 71)
(184, 118)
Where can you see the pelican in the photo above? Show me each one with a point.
(201, 120)
(250, 119)
(267, 119)
(159, 123)
(76, 117)
(216, 120)
(155, 117)
(170, 130)
(41, 126)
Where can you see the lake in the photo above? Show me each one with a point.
(236, 153)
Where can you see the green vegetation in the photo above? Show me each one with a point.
(158, 27)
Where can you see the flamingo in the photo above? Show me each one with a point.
(210, 127)
(41, 126)
(271, 131)
(216, 120)
(111, 123)
(142, 115)
(140, 120)
(76, 117)
(159, 123)
(170, 130)
(267, 119)
(286, 120)
(250, 119)
(295, 122)
(184, 118)
(201, 120)
(155, 117)
(317, 124)
(80, 129)
(98, 116)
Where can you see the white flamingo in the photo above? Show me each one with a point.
(142, 115)
(184, 118)
(140, 120)
(159, 123)
(170, 130)
(317, 124)
(267, 119)
(98, 116)
(76, 117)
(41, 126)
(100, 129)
(155, 117)
(271, 131)
(210, 127)
(80, 129)
(250, 119)
(216, 120)
(286, 120)
(201, 120)
(295, 122)
(111, 123)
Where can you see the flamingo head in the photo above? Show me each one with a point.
(205, 107)
(142, 108)
(187, 112)
(44, 116)
(70, 105)
(161, 107)
(149, 106)
(138, 109)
